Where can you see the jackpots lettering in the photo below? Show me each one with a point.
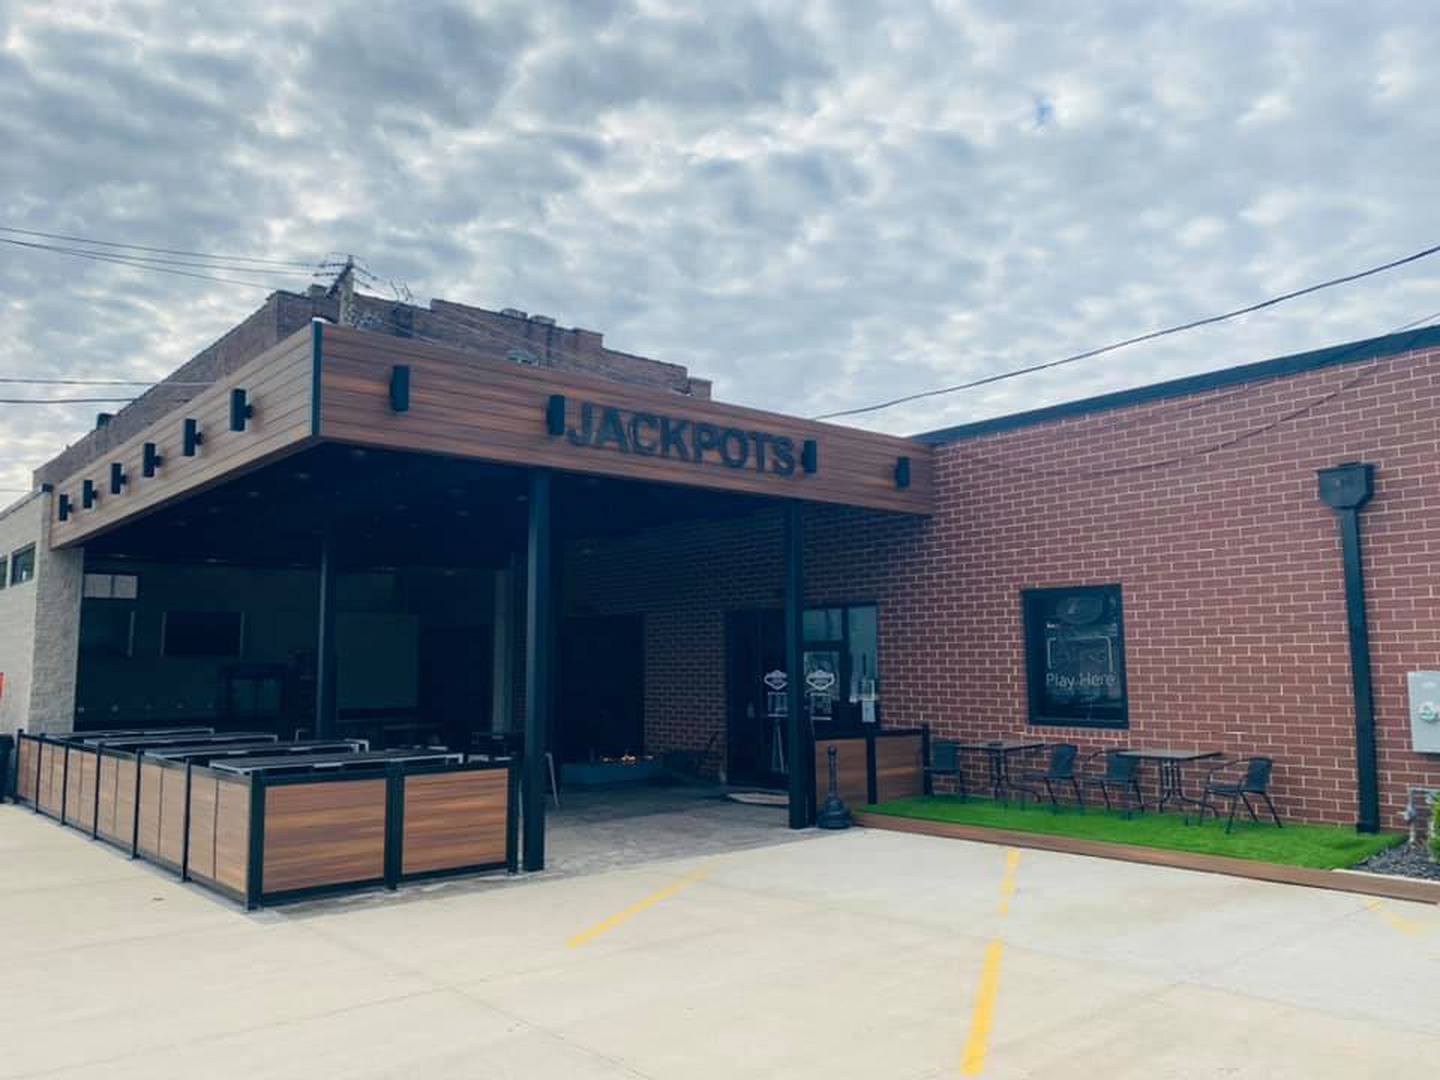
(654, 435)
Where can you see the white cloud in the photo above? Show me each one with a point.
(817, 204)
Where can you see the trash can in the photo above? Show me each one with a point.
(7, 743)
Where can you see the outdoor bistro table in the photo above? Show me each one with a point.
(999, 752)
(1170, 762)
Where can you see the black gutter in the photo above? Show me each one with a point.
(1352, 353)
(1346, 489)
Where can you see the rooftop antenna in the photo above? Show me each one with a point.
(344, 287)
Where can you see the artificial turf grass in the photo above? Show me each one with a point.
(1321, 847)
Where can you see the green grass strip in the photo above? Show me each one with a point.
(1322, 847)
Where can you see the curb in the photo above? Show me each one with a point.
(1390, 888)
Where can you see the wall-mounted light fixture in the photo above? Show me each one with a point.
(192, 438)
(64, 507)
(810, 456)
(88, 495)
(902, 472)
(150, 460)
(555, 415)
(400, 388)
(118, 479)
(240, 409)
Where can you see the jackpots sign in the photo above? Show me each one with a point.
(651, 434)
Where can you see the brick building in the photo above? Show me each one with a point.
(1197, 497)
(1148, 568)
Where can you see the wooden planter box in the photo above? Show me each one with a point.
(304, 819)
(873, 765)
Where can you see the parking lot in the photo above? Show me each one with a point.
(861, 954)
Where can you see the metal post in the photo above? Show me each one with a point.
(325, 656)
(538, 639)
(1347, 488)
(798, 736)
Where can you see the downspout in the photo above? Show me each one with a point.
(1346, 489)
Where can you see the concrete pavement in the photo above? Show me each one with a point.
(861, 954)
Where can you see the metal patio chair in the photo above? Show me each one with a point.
(1255, 780)
(1059, 771)
(1122, 773)
(945, 761)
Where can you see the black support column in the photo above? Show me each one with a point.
(325, 655)
(539, 637)
(797, 732)
(1345, 489)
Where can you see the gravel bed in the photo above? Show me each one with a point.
(1407, 860)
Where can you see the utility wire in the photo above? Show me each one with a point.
(155, 250)
(124, 261)
(1151, 336)
(18, 381)
(64, 401)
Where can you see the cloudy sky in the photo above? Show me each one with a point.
(816, 204)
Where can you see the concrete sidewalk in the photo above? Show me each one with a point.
(861, 954)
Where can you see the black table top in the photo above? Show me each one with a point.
(256, 748)
(1171, 755)
(1002, 746)
(187, 739)
(320, 762)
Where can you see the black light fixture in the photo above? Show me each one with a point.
(555, 415)
(400, 388)
(118, 479)
(810, 456)
(192, 438)
(902, 472)
(150, 460)
(64, 507)
(87, 494)
(240, 409)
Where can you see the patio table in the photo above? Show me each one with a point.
(999, 752)
(1171, 763)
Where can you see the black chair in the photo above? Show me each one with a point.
(1255, 780)
(1059, 770)
(945, 761)
(1122, 772)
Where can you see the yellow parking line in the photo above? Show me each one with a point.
(586, 936)
(1395, 919)
(1007, 883)
(977, 1044)
(972, 1063)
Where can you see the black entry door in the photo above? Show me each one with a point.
(601, 702)
(755, 734)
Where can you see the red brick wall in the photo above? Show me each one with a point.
(1203, 508)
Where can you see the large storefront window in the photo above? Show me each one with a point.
(1075, 656)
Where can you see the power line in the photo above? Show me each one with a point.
(18, 381)
(1151, 336)
(155, 250)
(65, 401)
(124, 261)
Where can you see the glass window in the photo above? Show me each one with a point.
(841, 650)
(202, 633)
(4, 571)
(22, 565)
(107, 630)
(864, 643)
(825, 624)
(1075, 656)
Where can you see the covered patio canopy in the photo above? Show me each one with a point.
(347, 447)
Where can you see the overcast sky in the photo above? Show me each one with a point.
(815, 204)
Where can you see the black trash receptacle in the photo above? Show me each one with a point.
(7, 743)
